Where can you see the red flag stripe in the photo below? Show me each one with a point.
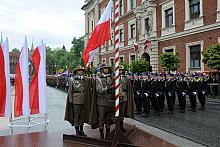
(2, 83)
(34, 94)
(18, 109)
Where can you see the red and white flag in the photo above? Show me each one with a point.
(147, 44)
(37, 87)
(5, 100)
(136, 47)
(21, 102)
(101, 33)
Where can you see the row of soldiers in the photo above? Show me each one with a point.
(151, 91)
(58, 81)
(91, 100)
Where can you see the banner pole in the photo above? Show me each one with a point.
(116, 52)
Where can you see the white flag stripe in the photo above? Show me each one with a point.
(25, 78)
(92, 55)
(42, 78)
(106, 15)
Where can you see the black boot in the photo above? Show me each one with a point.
(107, 132)
(81, 131)
(122, 127)
(77, 130)
(101, 133)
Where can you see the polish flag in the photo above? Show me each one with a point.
(147, 44)
(37, 87)
(5, 100)
(136, 47)
(21, 102)
(101, 33)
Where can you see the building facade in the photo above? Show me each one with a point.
(183, 27)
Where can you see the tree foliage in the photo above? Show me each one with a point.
(211, 56)
(15, 50)
(59, 58)
(169, 61)
(140, 65)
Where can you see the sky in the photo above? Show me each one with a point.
(54, 21)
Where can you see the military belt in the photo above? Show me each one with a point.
(78, 91)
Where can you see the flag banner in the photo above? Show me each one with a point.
(21, 102)
(147, 44)
(101, 33)
(5, 99)
(136, 47)
(37, 87)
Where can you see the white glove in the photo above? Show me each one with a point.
(138, 93)
(169, 94)
(203, 92)
(183, 93)
(195, 93)
(146, 94)
(157, 95)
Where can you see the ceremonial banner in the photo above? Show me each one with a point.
(21, 102)
(37, 87)
(101, 33)
(5, 99)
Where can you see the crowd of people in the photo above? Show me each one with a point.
(91, 99)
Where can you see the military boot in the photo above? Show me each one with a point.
(82, 133)
(107, 132)
(122, 127)
(101, 131)
(77, 130)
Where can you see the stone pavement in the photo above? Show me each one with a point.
(56, 101)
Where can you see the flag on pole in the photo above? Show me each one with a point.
(37, 87)
(5, 99)
(101, 33)
(136, 47)
(147, 44)
(21, 102)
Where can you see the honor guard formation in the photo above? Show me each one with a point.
(91, 98)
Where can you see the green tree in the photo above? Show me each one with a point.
(76, 51)
(140, 65)
(15, 50)
(169, 61)
(211, 56)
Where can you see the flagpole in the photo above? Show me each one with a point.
(116, 42)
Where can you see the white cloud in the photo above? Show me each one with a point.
(56, 21)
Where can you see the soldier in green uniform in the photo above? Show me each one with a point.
(126, 105)
(75, 110)
(105, 102)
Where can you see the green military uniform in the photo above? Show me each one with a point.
(105, 102)
(77, 102)
(126, 106)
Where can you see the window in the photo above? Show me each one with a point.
(147, 26)
(132, 57)
(169, 50)
(169, 17)
(194, 6)
(195, 56)
(121, 60)
(132, 4)
(112, 62)
(121, 7)
(121, 33)
(132, 30)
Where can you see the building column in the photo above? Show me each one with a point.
(186, 10)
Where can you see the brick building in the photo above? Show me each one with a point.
(184, 27)
(13, 59)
